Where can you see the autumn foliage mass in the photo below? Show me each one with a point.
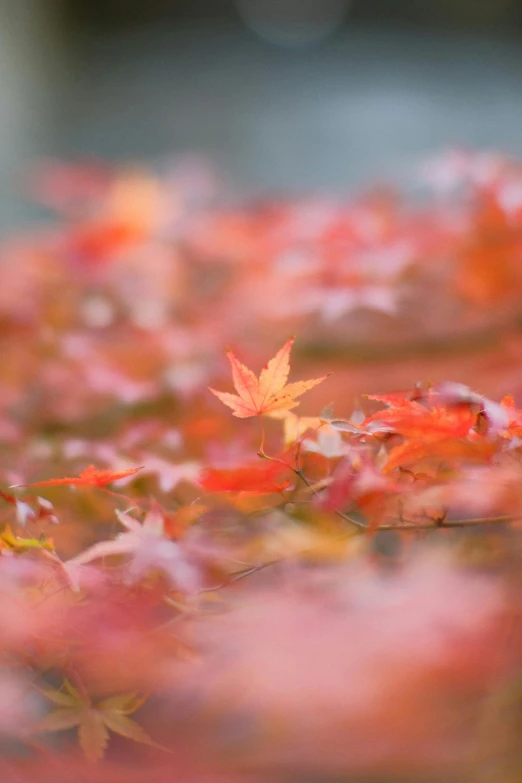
(232, 555)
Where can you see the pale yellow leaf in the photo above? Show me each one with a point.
(93, 735)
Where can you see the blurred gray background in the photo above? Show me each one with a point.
(284, 95)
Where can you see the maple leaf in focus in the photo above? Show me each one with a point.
(90, 477)
(268, 393)
(93, 721)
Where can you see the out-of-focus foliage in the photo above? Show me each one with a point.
(333, 594)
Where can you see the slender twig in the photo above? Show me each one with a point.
(262, 444)
(403, 524)
(455, 523)
(119, 495)
(235, 577)
(407, 525)
(299, 472)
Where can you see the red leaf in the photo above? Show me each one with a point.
(262, 479)
(413, 420)
(90, 477)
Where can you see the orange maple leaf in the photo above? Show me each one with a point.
(90, 477)
(258, 479)
(268, 393)
(441, 431)
(413, 420)
(415, 450)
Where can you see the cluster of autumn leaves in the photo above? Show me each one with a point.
(426, 437)
(403, 467)
(414, 464)
(145, 533)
